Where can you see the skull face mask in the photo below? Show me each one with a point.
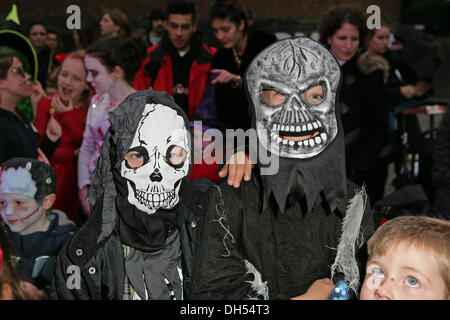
(157, 160)
(293, 85)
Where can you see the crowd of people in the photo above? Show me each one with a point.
(97, 166)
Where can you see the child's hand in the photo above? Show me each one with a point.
(319, 290)
(237, 166)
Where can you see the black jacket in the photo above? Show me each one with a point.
(364, 107)
(441, 154)
(102, 266)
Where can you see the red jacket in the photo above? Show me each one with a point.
(198, 77)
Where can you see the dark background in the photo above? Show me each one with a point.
(290, 16)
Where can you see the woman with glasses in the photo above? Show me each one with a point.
(18, 136)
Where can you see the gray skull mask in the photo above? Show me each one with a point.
(157, 160)
(305, 74)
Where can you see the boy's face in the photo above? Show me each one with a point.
(404, 273)
(18, 211)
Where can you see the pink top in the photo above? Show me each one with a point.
(97, 124)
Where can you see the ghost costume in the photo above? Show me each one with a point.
(277, 234)
(139, 241)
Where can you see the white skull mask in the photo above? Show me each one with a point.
(158, 159)
(300, 122)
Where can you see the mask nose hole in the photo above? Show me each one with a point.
(156, 176)
(294, 103)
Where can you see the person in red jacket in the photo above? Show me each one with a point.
(69, 107)
(180, 65)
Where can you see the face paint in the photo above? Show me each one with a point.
(293, 86)
(157, 160)
(18, 211)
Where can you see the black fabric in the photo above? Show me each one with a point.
(364, 106)
(19, 138)
(182, 68)
(441, 166)
(232, 102)
(146, 232)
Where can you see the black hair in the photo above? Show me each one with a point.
(181, 7)
(231, 10)
(114, 51)
(334, 19)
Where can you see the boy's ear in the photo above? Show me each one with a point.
(49, 200)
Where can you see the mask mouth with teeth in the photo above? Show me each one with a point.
(293, 86)
(157, 160)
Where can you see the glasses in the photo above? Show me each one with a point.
(20, 71)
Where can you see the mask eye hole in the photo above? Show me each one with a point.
(136, 157)
(272, 97)
(176, 156)
(314, 94)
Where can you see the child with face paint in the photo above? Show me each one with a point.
(27, 194)
(111, 64)
(409, 259)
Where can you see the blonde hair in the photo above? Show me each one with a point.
(419, 231)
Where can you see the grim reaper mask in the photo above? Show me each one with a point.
(301, 124)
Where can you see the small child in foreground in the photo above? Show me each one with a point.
(409, 259)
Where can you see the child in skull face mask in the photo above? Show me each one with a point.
(139, 242)
(27, 194)
(276, 236)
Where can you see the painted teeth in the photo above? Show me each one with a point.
(298, 129)
(311, 142)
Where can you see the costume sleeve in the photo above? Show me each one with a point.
(220, 270)
(86, 150)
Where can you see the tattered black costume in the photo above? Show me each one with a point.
(277, 234)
